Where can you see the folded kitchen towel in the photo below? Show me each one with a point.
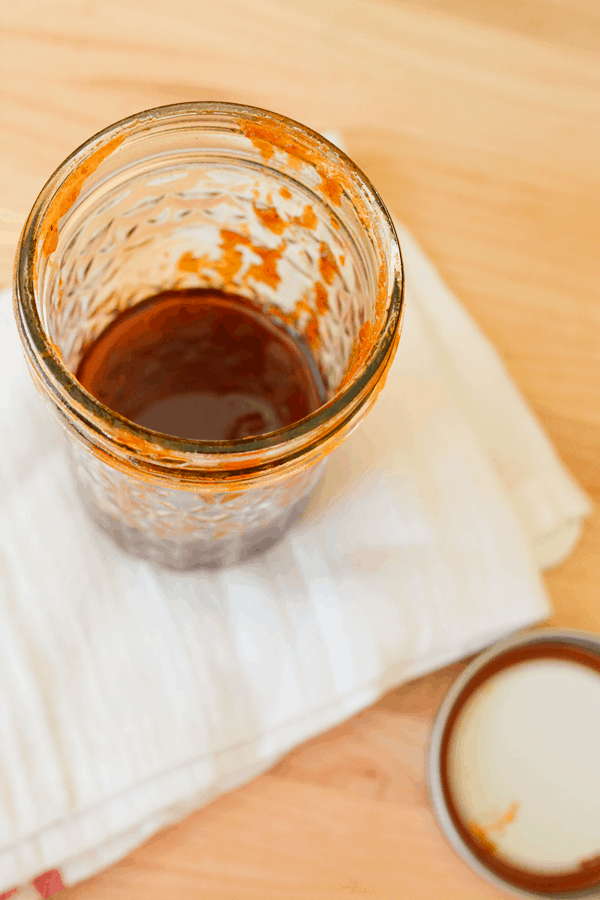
(130, 697)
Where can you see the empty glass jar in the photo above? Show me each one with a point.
(220, 196)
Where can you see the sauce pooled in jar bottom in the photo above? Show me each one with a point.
(202, 365)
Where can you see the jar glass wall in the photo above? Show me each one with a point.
(207, 195)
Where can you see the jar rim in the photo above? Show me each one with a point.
(65, 388)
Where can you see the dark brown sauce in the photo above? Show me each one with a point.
(202, 365)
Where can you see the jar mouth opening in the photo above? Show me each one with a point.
(66, 389)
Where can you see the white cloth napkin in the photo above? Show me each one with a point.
(130, 697)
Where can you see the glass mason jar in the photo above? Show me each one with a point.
(221, 196)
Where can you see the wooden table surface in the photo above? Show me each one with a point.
(479, 122)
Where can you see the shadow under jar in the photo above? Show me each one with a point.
(224, 198)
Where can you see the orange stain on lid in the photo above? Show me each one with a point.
(481, 837)
(481, 833)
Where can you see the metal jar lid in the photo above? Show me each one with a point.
(514, 764)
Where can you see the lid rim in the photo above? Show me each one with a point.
(574, 638)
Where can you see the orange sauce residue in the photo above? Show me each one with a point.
(266, 138)
(312, 333)
(321, 298)
(336, 180)
(270, 218)
(308, 218)
(285, 193)
(266, 271)
(327, 264)
(381, 282)
(304, 317)
(332, 188)
(481, 832)
(231, 259)
(271, 309)
(481, 837)
(359, 353)
(189, 263)
(262, 143)
(68, 192)
(304, 310)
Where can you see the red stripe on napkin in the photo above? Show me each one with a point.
(48, 884)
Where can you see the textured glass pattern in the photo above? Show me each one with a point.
(206, 226)
(259, 235)
(184, 529)
(224, 197)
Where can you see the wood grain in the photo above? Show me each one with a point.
(479, 122)
(562, 22)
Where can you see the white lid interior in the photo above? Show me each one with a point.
(523, 764)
